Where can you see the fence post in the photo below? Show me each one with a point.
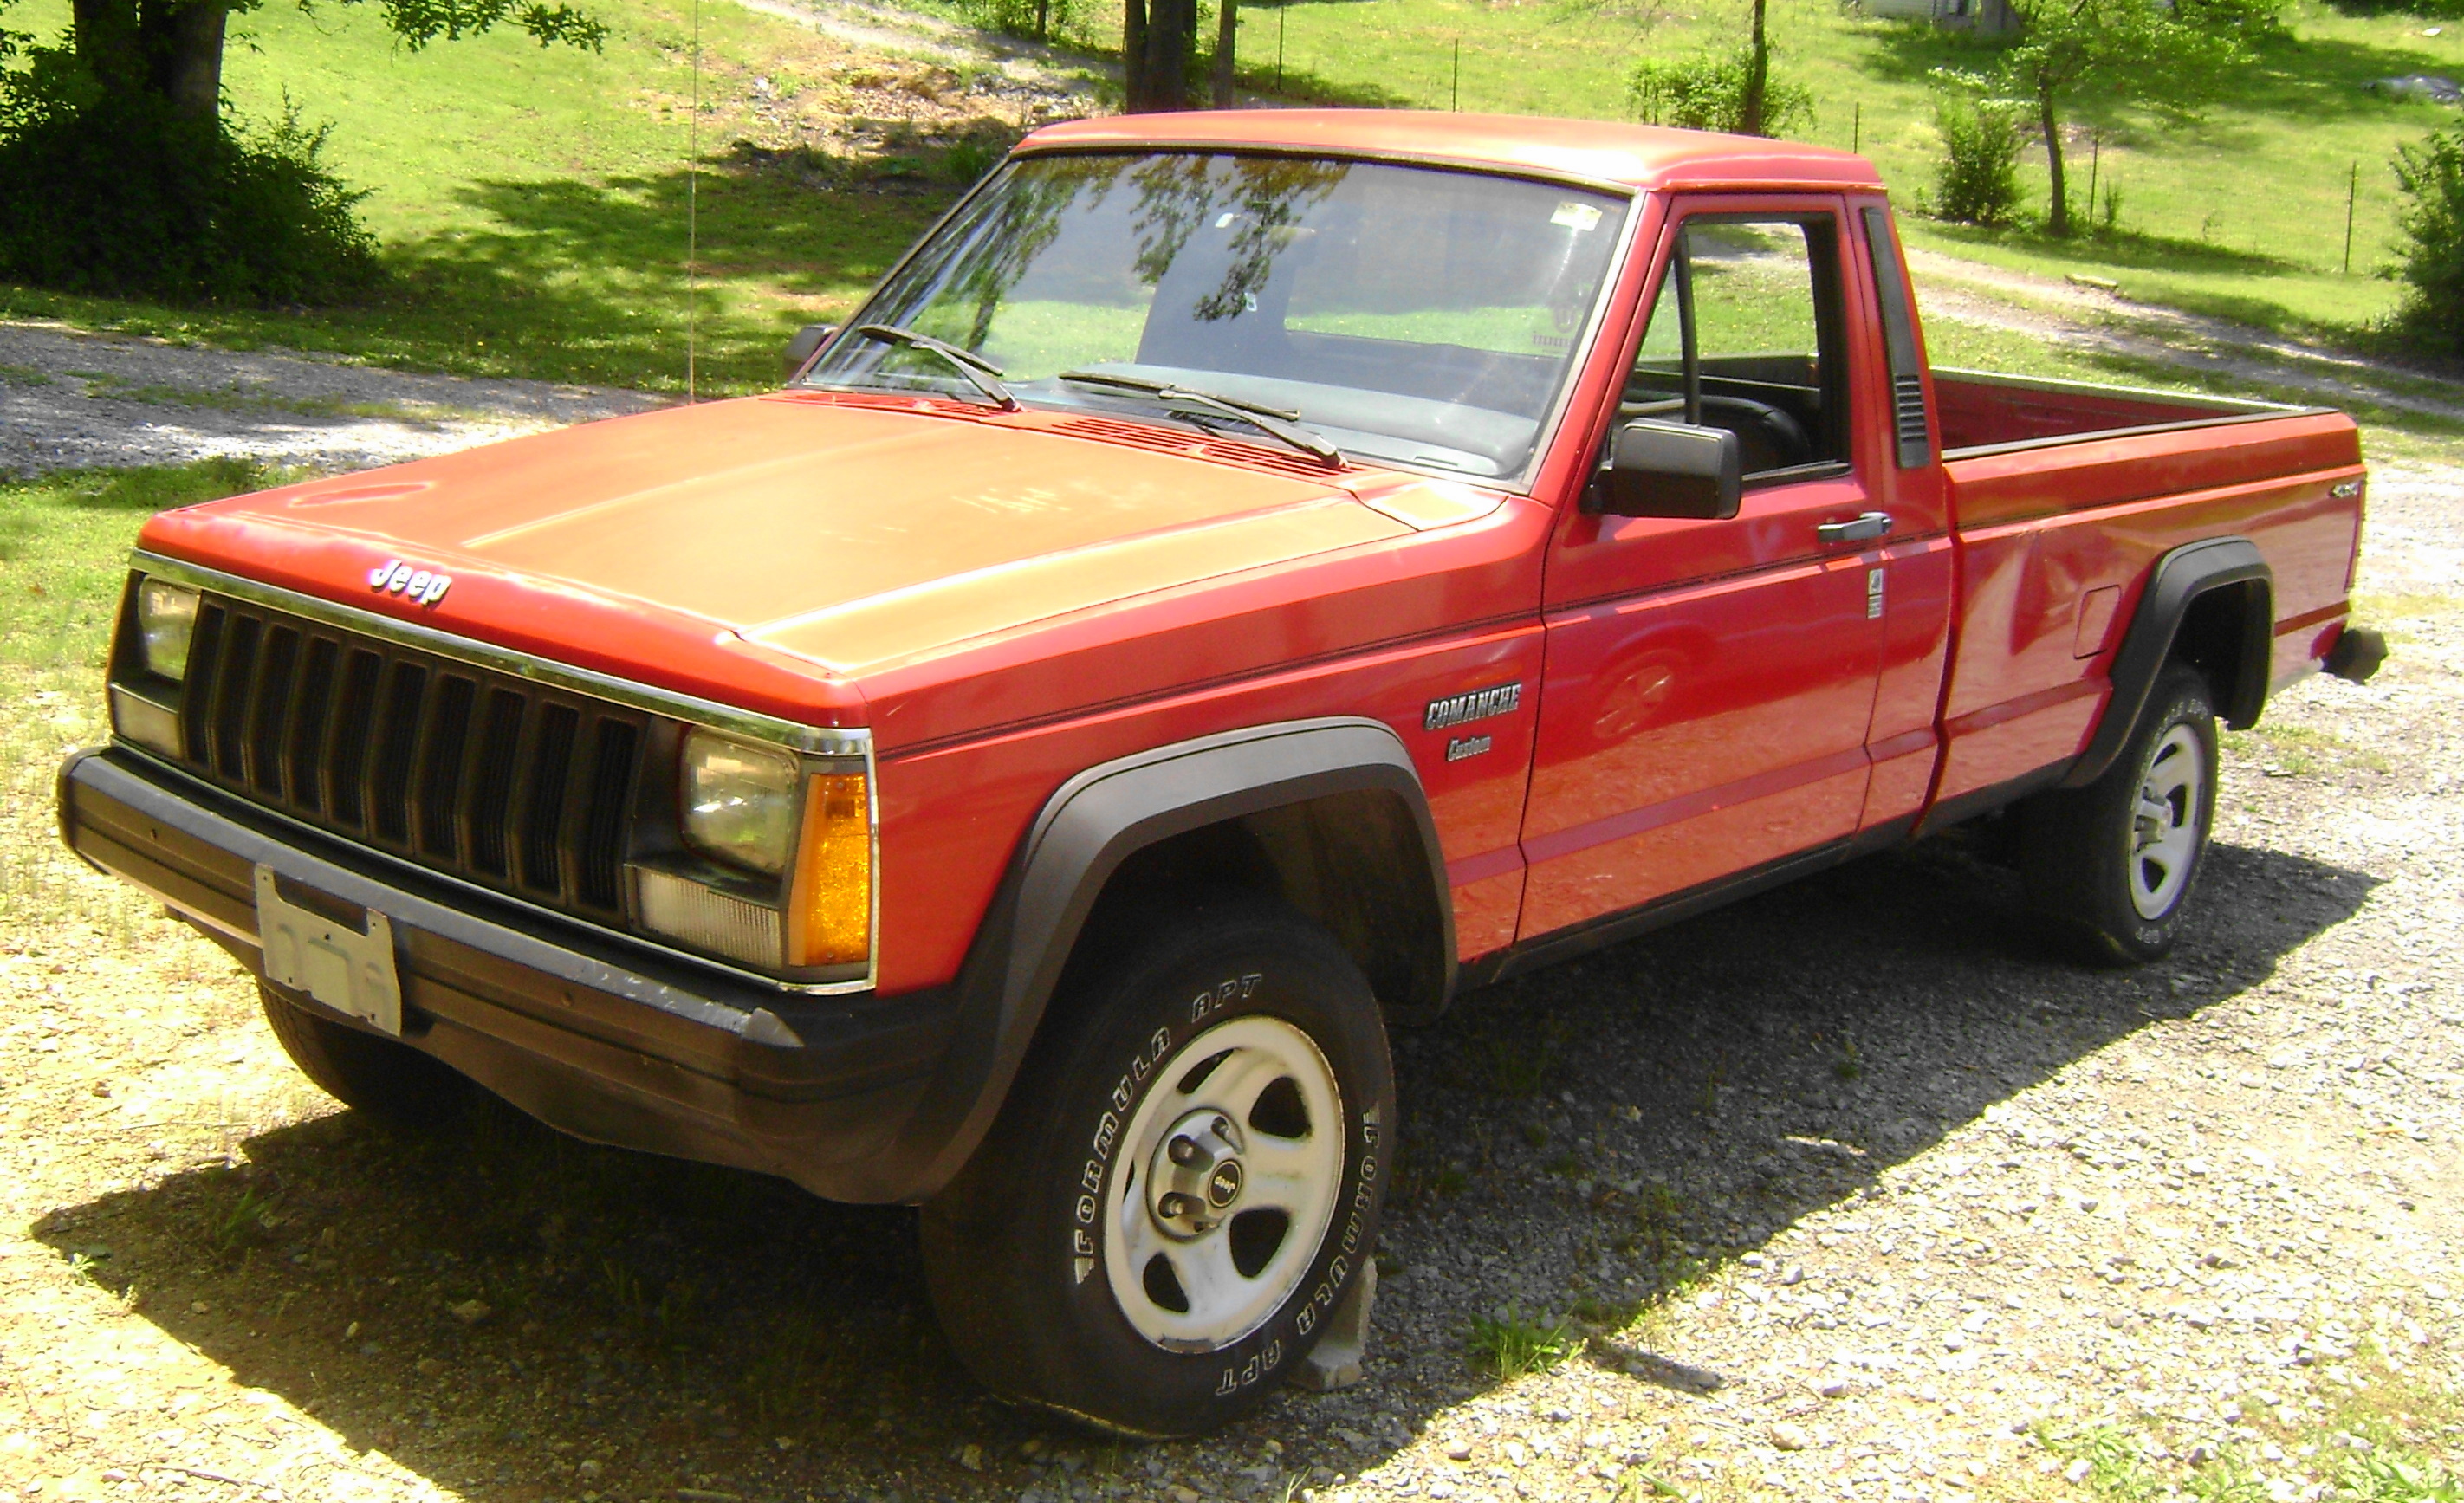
(2352, 192)
(1857, 131)
(1278, 44)
(1457, 102)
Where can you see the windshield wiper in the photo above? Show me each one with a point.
(1279, 422)
(979, 373)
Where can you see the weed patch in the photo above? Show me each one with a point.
(1508, 1344)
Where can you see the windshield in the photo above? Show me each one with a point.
(1407, 314)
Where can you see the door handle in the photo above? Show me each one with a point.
(1861, 528)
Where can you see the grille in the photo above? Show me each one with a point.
(463, 770)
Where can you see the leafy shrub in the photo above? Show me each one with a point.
(2431, 255)
(104, 192)
(1977, 181)
(1707, 92)
(1040, 20)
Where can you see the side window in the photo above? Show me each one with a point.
(1745, 335)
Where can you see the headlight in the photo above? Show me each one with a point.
(166, 617)
(739, 801)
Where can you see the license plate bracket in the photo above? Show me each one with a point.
(350, 970)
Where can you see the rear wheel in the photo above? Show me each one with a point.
(1183, 1184)
(2115, 862)
(386, 1080)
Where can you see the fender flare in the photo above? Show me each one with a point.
(1086, 829)
(2179, 579)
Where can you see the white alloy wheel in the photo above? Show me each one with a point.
(2165, 828)
(1230, 1172)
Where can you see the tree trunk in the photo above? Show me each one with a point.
(169, 51)
(1227, 30)
(189, 63)
(1750, 108)
(1156, 37)
(1134, 57)
(2057, 217)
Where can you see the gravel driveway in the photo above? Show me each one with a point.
(70, 399)
(1849, 1191)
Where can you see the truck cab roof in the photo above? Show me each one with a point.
(1597, 153)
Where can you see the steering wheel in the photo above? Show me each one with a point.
(1773, 439)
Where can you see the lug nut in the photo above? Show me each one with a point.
(1172, 1205)
(1182, 1151)
(1224, 1128)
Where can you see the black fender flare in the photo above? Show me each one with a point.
(2179, 579)
(1086, 829)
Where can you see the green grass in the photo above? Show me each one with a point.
(2241, 215)
(1510, 1343)
(531, 202)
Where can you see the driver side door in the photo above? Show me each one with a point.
(1708, 684)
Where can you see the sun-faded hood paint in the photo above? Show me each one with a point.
(844, 532)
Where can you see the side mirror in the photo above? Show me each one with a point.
(1672, 469)
(809, 339)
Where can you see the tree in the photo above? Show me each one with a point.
(2431, 175)
(1227, 29)
(2167, 58)
(1157, 39)
(1751, 97)
(170, 53)
(119, 173)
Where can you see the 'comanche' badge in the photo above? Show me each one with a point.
(1478, 705)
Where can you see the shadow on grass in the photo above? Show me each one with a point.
(2129, 250)
(1582, 1142)
(576, 280)
(2298, 81)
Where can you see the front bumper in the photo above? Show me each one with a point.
(596, 1036)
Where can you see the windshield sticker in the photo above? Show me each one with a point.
(1581, 218)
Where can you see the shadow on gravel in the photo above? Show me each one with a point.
(1575, 1144)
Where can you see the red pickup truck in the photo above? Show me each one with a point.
(1242, 581)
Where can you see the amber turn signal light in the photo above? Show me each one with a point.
(832, 907)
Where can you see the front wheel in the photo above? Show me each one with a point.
(1183, 1184)
(388, 1081)
(2115, 862)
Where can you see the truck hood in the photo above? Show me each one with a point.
(851, 531)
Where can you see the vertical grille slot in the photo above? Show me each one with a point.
(397, 742)
(232, 680)
(346, 746)
(315, 697)
(440, 760)
(551, 769)
(196, 697)
(598, 873)
(269, 709)
(491, 779)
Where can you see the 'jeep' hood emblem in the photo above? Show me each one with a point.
(424, 587)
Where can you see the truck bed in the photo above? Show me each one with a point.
(1984, 412)
(2064, 494)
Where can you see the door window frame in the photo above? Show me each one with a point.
(1825, 257)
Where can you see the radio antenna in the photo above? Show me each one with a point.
(692, 222)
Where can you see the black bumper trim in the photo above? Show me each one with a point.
(595, 1038)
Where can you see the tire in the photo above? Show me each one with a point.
(2114, 864)
(392, 1082)
(1125, 1164)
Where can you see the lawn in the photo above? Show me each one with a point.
(2241, 214)
(532, 203)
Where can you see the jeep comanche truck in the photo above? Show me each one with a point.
(1241, 581)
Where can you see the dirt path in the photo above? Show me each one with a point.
(70, 399)
(2063, 312)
